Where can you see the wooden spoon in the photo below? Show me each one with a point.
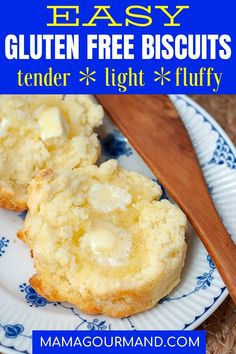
(154, 128)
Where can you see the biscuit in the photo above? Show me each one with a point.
(102, 240)
(38, 132)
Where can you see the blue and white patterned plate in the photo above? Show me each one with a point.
(201, 290)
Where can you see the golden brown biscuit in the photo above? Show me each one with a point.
(38, 132)
(102, 241)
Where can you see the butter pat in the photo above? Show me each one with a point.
(102, 241)
(4, 125)
(52, 124)
(107, 245)
(106, 197)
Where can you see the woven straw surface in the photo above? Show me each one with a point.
(221, 326)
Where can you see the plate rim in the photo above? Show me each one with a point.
(217, 301)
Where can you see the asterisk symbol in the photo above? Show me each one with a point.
(87, 75)
(162, 75)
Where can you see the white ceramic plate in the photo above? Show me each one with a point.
(201, 290)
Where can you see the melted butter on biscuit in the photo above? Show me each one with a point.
(4, 125)
(52, 123)
(108, 245)
(102, 241)
(106, 198)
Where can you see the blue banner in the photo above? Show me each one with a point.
(117, 46)
(128, 342)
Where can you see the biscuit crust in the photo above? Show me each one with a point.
(61, 215)
(122, 303)
(10, 202)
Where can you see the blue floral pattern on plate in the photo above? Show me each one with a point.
(13, 331)
(97, 325)
(3, 245)
(203, 281)
(115, 145)
(223, 155)
(32, 298)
